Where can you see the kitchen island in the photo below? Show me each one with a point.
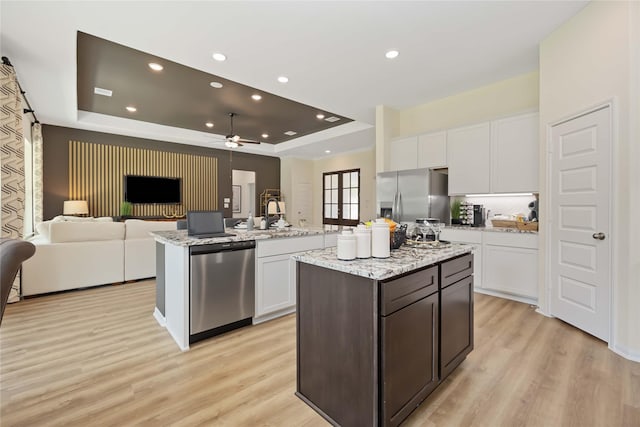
(376, 336)
(263, 279)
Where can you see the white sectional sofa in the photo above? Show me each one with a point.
(82, 252)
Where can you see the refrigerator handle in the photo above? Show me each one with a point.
(399, 207)
(394, 208)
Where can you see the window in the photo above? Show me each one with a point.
(341, 197)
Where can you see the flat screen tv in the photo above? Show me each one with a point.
(151, 189)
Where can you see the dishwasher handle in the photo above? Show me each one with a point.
(222, 247)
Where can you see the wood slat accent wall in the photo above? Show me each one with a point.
(96, 174)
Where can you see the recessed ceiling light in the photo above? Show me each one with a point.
(327, 151)
(332, 119)
(155, 67)
(216, 85)
(283, 79)
(219, 56)
(392, 54)
(256, 97)
(209, 124)
(320, 116)
(290, 133)
(265, 135)
(131, 109)
(100, 91)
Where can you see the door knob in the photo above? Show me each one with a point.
(598, 236)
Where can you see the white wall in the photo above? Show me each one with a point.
(296, 175)
(591, 59)
(500, 99)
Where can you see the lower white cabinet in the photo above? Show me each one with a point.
(469, 237)
(505, 264)
(511, 263)
(276, 274)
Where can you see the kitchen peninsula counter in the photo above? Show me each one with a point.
(273, 291)
(376, 336)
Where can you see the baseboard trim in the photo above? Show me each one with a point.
(159, 318)
(517, 298)
(625, 352)
(274, 315)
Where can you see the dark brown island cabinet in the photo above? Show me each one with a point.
(370, 351)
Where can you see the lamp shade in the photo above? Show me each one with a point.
(75, 207)
(272, 209)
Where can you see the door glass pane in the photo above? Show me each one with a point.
(354, 211)
(354, 196)
(334, 210)
(327, 196)
(334, 181)
(327, 181)
(346, 180)
(346, 196)
(354, 179)
(334, 196)
(327, 211)
(346, 210)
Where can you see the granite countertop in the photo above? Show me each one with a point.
(401, 261)
(180, 238)
(492, 229)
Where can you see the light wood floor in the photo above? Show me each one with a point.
(97, 357)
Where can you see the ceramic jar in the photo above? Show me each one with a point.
(380, 239)
(346, 246)
(363, 241)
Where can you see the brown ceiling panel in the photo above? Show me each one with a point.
(180, 96)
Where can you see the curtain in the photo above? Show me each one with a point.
(36, 140)
(12, 158)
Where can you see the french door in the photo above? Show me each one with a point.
(341, 197)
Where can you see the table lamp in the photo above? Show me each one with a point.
(75, 207)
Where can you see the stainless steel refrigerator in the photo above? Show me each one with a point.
(418, 193)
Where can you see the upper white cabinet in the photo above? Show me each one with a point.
(432, 150)
(403, 154)
(514, 154)
(469, 159)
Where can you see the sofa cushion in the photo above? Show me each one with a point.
(139, 229)
(69, 231)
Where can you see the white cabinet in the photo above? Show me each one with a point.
(403, 154)
(432, 150)
(514, 154)
(276, 274)
(468, 153)
(330, 240)
(469, 237)
(511, 263)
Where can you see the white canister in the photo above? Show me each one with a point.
(380, 239)
(363, 241)
(346, 246)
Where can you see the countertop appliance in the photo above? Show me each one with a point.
(222, 290)
(533, 207)
(406, 195)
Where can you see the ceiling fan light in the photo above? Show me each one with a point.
(235, 138)
(231, 144)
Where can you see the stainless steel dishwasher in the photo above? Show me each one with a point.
(222, 294)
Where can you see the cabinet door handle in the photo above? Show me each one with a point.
(599, 236)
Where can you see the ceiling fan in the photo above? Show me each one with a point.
(233, 140)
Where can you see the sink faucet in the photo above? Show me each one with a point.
(270, 220)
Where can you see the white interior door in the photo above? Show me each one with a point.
(579, 234)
